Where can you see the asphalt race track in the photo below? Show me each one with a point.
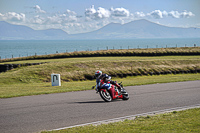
(46, 112)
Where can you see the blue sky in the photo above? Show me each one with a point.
(78, 16)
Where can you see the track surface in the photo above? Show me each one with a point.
(46, 112)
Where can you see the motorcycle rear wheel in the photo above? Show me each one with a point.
(105, 95)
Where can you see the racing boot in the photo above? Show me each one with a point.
(119, 88)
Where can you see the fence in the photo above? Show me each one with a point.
(106, 48)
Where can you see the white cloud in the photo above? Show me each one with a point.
(184, 14)
(67, 17)
(92, 13)
(1, 16)
(93, 19)
(174, 14)
(101, 13)
(71, 13)
(13, 16)
(61, 19)
(36, 20)
(139, 15)
(157, 14)
(187, 14)
(89, 12)
(38, 9)
(120, 12)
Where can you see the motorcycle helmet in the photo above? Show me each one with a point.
(98, 74)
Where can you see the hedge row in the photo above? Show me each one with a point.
(120, 74)
(141, 72)
(6, 67)
(124, 52)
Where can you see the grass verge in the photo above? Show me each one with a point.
(27, 89)
(181, 122)
(35, 80)
(73, 69)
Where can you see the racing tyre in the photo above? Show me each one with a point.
(125, 96)
(105, 95)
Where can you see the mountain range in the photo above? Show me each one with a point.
(19, 32)
(135, 29)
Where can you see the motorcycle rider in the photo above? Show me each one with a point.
(104, 81)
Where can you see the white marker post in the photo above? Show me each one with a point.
(55, 80)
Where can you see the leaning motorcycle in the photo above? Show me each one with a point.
(119, 93)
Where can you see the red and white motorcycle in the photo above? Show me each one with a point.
(113, 93)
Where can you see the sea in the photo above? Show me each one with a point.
(24, 48)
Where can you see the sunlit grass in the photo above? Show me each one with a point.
(73, 69)
(179, 122)
(26, 89)
(35, 80)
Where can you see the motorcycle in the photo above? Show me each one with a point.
(119, 93)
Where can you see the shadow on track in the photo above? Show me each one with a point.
(91, 102)
(116, 100)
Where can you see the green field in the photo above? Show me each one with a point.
(35, 80)
(25, 89)
(187, 121)
(73, 69)
(135, 70)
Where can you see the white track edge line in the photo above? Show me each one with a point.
(131, 116)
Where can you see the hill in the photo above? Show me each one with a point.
(141, 29)
(131, 30)
(19, 32)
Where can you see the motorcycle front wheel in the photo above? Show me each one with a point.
(105, 95)
(125, 96)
